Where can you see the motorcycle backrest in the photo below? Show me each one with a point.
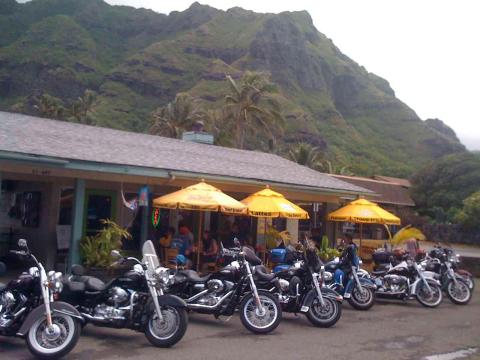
(251, 257)
(78, 270)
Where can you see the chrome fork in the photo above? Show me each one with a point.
(317, 288)
(254, 288)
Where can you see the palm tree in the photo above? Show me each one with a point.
(251, 106)
(170, 120)
(85, 105)
(307, 155)
(330, 168)
(49, 106)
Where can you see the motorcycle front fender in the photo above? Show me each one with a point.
(463, 272)
(56, 307)
(430, 275)
(171, 300)
(419, 281)
(326, 293)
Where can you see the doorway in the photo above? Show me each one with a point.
(99, 205)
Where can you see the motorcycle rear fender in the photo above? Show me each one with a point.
(419, 281)
(55, 307)
(326, 293)
(171, 300)
(367, 283)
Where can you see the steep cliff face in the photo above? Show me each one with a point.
(138, 60)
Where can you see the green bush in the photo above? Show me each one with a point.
(95, 250)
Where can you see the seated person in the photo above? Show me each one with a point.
(183, 240)
(166, 241)
(210, 248)
(348, 259)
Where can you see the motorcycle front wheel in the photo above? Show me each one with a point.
(54, 342)
(324, 316)
(428, 299)
(362, 299)
(256, 320)
(167, 332)
(459, 293)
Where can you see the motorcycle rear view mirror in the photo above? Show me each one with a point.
(22, 243)
(115, 254)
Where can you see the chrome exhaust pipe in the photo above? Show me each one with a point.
(194, 297)
(210, 307)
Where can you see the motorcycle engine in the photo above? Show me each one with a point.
(8, 306)
(108, 312)
(118, 296)
(216, 288)
(395, 283)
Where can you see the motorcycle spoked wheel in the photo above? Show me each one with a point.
(171, 330)
(362, 299)
(52, 345)
(324, 316)
(256, 322)
(429, 300)
(460, 293)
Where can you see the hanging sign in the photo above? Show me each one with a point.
(155, 217)
(143, 196)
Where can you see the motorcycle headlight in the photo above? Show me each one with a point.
(163, 274)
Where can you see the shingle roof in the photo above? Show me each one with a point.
(399, 181)
(37, 136)
(390, 193)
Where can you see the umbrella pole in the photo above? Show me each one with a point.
(200, 221)
(265, 240)
(361, 233)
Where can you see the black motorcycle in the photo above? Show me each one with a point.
(134, 301)
(300, 288)
(441, 260)
(229, 289)
(28, 309)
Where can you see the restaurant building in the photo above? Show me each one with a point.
(59, 179)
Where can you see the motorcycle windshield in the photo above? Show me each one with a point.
(150, 257)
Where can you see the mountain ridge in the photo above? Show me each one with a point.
(138, 60)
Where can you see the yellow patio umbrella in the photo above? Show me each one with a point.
(362, 211)
(267, 203)
(203, 197)
(406, 233)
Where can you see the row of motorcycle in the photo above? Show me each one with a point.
(49, 310)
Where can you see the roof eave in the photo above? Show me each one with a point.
(82, 165)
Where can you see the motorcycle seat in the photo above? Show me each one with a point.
(3, 286)
(193, 276)
(94, 284)
(331, 266)
(262, 273)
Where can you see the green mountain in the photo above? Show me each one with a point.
(137, 60)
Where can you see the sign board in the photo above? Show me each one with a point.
(64, 234)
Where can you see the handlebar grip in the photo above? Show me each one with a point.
(16, 252)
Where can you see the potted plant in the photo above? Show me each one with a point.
(96, 250)
(326, 253)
